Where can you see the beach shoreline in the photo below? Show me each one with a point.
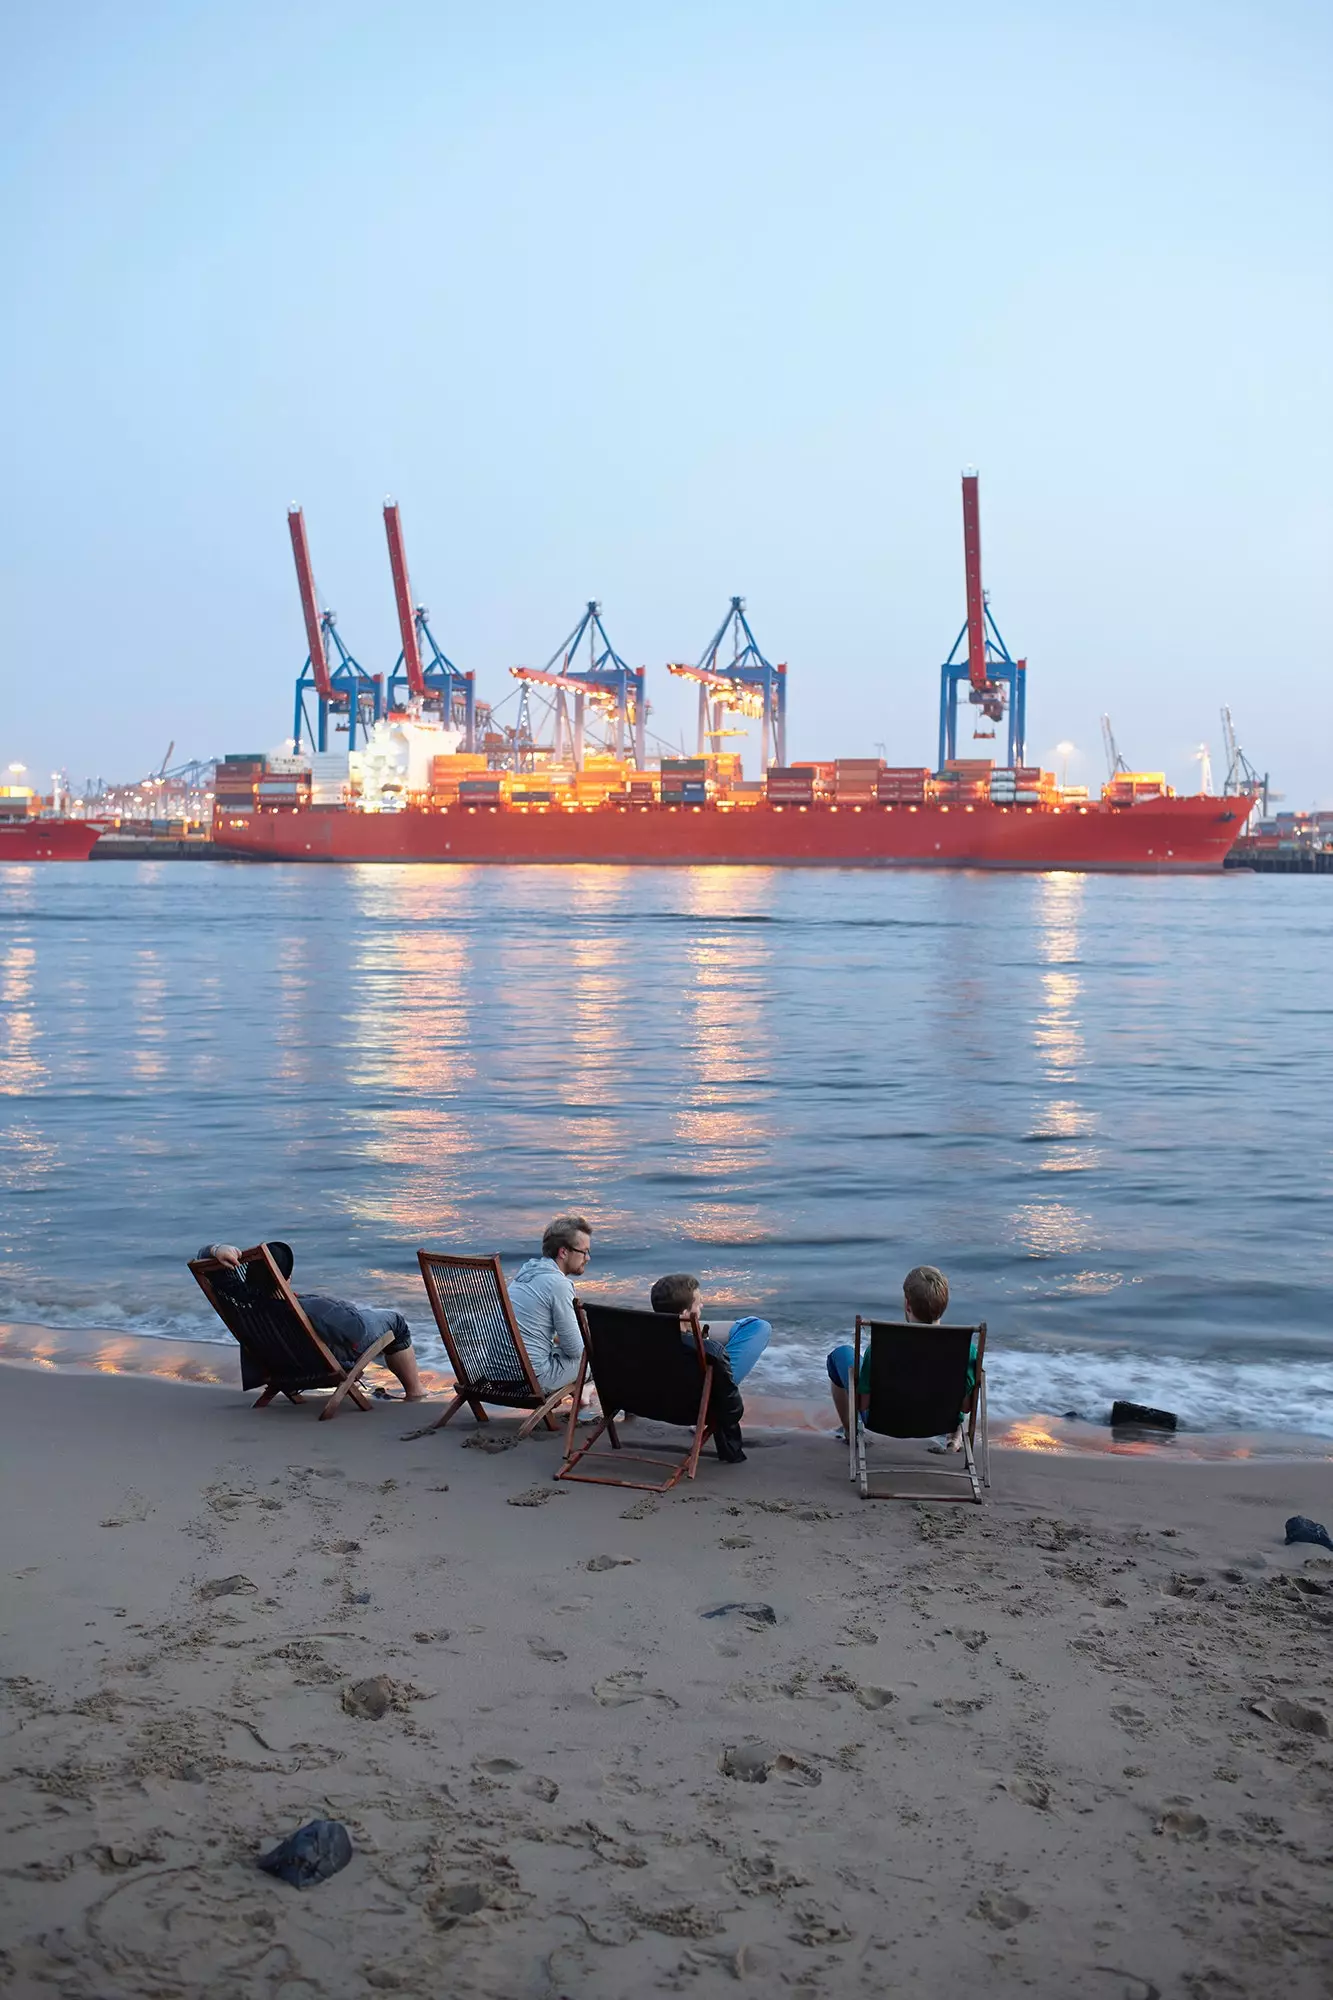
(204, 1363)
(1073, 1741)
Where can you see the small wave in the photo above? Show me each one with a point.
(1225, 1395)
(66, 1317)
(1212, 1395)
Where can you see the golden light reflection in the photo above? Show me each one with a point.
(728, 1050)
(1030, 1434)
(148, 1057)
(298, 1057)
(1053, 1229)
(21, 1068)
(411, 1035)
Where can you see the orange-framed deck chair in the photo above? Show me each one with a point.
(641, 1364)
(471, 1305)
(280, 1350)
(925, 1381)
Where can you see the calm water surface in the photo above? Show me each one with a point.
(1101, 1105)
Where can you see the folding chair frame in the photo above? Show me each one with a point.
(975, 1413)
(345, 1382)
(688, 1461)
(540, 1406)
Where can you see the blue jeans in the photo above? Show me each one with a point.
(840, 1364)
(745, 1343)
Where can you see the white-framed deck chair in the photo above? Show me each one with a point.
(924, 1381)
(644, 1364)
(280, 1351)
(491, 1364)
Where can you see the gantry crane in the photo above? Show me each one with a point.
(996, 683)
(746, 684)
(617, 692)
(1241, 777)
(340, 685)
(1115, 763)
(424, 683)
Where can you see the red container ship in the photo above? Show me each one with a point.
(37, 839)
(1162, 835)
(427, 784)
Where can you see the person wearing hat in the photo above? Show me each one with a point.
(347, 1330)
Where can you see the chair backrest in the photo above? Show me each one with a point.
(644, 1362)
(476, 1320)
(918, 1375)
(258, 1306)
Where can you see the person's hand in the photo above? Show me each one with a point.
(227, 1253)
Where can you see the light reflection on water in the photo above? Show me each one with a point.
(795, 1084)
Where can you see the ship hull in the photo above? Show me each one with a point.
(47, 840)
(1159, 836)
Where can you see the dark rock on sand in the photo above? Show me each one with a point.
(1301, 1529)
(311, 1854)
(1142, 1413)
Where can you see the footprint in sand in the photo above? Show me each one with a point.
(995, 1907)
(372, 1699)
(1180, 1825)
(542, 1649)
(1292, 1715)
(496, 1767)
(609, 1562)
(753, 1616)
(755, 1763)
(227, 1586)
(617, 1690)
(1030, 1791)
(874, 1697)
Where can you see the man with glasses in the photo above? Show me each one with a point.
(542, 1295)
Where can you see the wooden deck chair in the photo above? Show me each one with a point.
(919, 1389)
(491, 1364)
(280, 1350)
(641, 1363)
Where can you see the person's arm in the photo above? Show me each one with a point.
(565, 1321)
(222, 1253)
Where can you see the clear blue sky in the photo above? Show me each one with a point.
(655, 305)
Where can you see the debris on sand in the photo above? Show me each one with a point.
(315, 1851)
(1301, 1529)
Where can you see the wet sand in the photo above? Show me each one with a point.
(755, 1735)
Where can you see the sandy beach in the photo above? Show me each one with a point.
(755, 1735)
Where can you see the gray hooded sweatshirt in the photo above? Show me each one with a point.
(543, 1301)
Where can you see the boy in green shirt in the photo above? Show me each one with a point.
(925, 1298)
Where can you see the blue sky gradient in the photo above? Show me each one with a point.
(655, 306)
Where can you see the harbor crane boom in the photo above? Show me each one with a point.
(344, 689)
(747, 684)
(434, 684)
(305, 583)
(619, 692)
(1241, 777)
(402, 594)
(1115, 763)
(996, 683)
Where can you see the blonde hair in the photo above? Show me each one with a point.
(926, 1292)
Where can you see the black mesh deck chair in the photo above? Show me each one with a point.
(490, 1362)
(280, 1351)
(641, 1363)
(919, 1388)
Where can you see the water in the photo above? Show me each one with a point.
(1099, 1104)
